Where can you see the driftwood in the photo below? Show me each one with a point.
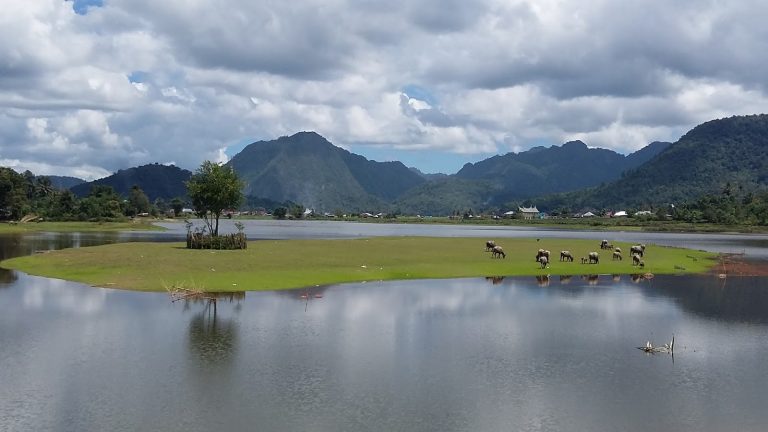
(668, 348)
(180, 293)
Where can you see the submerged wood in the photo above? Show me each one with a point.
(668, 348)
(181, 293)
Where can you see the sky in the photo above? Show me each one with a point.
(88, 87)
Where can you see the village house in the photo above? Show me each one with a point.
(528, 212)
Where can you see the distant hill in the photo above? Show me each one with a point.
(307, 169)
(156, 180)
(64, 182)
(431, 176)
(447, 196)
(543, 170)
(730, 152)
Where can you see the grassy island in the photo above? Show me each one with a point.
(285, 264)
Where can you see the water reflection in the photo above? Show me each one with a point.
(212, 339)
(458, 354)
(495, 280)
(7, 277)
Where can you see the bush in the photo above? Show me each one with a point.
(199, 240)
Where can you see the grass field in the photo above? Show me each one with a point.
(285, 264)
(138, 225)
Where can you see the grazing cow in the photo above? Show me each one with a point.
(594, 258)
(617, 249)
(636, 259)
(498, 252)
(637, 250)
(603, 244)
(544, 261)
(583, 260)
(542, 253)
(566, 256)
(616, 256)
(489, 245)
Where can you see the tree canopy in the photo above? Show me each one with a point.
(213, 189)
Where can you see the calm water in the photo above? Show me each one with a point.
(468, 354)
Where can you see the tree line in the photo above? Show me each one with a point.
(25, 193)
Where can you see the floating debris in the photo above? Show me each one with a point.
(668, 348)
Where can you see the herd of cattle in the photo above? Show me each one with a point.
(543, 256)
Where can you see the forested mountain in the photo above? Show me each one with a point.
(156, 180)
(729, 154)
(447, 196)
(307, 169)
(64, 182)
(542, 170)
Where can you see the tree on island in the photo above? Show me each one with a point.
(213, 189)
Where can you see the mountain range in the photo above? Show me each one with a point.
(718, 155)
(306, 168)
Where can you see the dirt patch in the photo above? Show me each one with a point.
(739, 265)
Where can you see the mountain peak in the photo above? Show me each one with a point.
(577, 144)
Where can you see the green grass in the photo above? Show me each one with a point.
(138, 225)
(285, 264)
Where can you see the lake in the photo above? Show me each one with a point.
(463, 354)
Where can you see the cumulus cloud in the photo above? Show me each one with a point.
(97, 86)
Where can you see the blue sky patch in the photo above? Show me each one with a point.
(138, 76)
(81, 6)
(421, 93)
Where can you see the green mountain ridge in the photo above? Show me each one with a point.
(712, 157)
(156, 180)
(542, 170)
(306, 168)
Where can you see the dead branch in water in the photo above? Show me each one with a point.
(668, 348)
(177, 292)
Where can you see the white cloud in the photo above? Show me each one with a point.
(496, 75)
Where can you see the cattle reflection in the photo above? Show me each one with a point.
(565, 279)
(542, 280)
(591, 279)
(495, 280)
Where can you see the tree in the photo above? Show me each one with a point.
(13, 194)
(280, 212)
(177, 204)
(297, 211)
(213, 189)
(137, 201)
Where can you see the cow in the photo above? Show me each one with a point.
(594, 258)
